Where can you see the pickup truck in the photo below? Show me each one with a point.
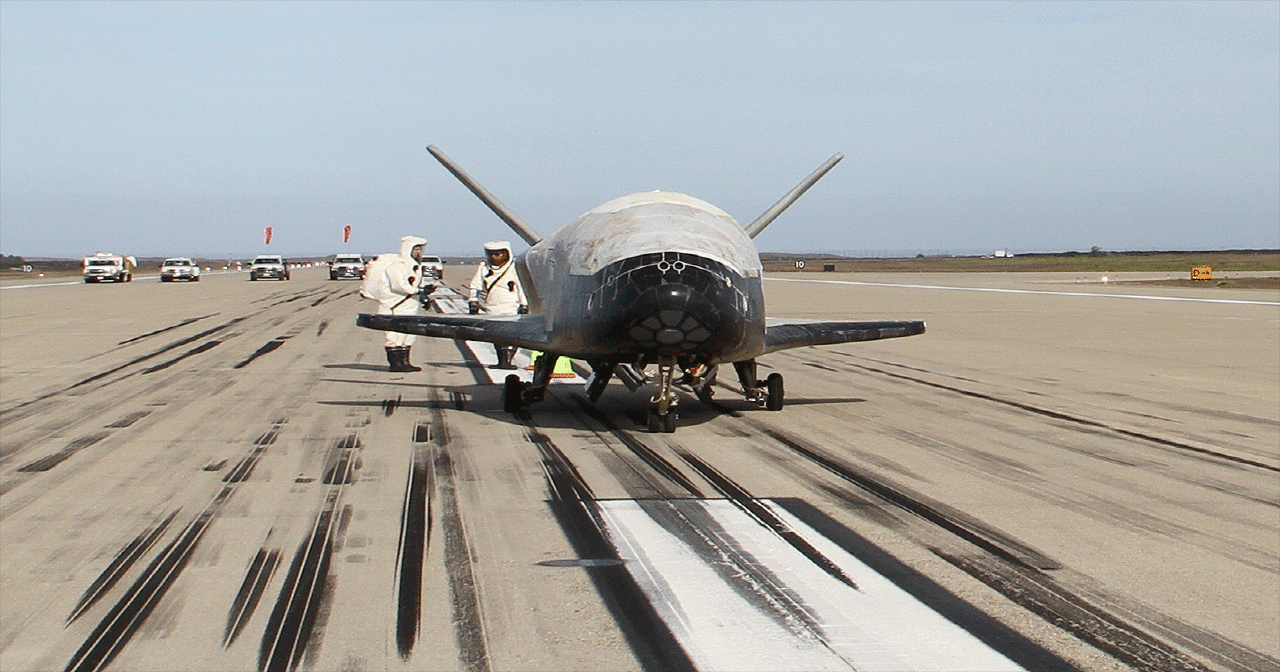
(101, 266)
(268, 266)
(346, 266)
(179, 268)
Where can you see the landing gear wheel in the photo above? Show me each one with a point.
(773, 401)
(661, 423)
(512, 393)
(704, 393)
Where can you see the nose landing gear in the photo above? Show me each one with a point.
(661, 417)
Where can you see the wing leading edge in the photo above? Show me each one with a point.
(529, 331)
(525, 331)
(786, 336)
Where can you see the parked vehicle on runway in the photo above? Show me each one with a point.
(179, 268)
(102, 266)
(346, 266)
(651, 278)
(268, 266)
(432, 268)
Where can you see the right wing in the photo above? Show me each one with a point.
(784, 336)
(525, 331)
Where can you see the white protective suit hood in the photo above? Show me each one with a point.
(407, 244)
(494, 246)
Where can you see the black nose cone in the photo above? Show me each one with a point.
(676, 321)
(670, 304)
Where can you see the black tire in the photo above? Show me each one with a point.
(195, 279)
(164, 279)
(512, 390)
(773, 401)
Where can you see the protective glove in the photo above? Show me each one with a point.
(522, 310)
(473, 307)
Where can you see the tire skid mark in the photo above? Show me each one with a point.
(761, 514)
(649, 456)
(324, 324)
(244, 468)
(949, 519)
(50, 461)
(1042, 596)
(324, 295)
(124, 620)
(343, 461)
(121, 564)
(268, 347)
(573, 504)
(32, 406)
(459, 400)
(168, 328)
(1020, 574)
(259, 574)
(304, 594)
(120, 624)
(473, 650)
(416, 522)
(1093, 424)
(271, 345)
(128, 420)
(171, 346)
(203, 347)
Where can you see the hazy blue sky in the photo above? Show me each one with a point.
(169, 128)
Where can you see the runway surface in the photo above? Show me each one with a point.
(1058, 475)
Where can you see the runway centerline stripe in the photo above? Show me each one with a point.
(998, 290)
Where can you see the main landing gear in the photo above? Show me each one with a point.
(516, 394)
(662, 416)
(767, 392)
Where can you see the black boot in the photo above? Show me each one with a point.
(505, 354)
(404, 360)
(392, 357)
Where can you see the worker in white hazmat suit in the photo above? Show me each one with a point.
(496, 286)
(392, 280)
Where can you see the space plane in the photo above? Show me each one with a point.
(652, 278)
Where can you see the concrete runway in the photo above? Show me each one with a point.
(1058, 475)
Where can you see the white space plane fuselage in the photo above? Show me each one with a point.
(646, 275)
(654, 277)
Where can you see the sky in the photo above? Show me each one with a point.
(186, 128)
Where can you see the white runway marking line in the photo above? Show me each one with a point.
(451, 303)
(1032, 291)
(795, 615)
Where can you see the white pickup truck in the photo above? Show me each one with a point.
(268, 266)
(101, 266)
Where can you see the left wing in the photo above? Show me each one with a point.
(525, 331)
(785, 336)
